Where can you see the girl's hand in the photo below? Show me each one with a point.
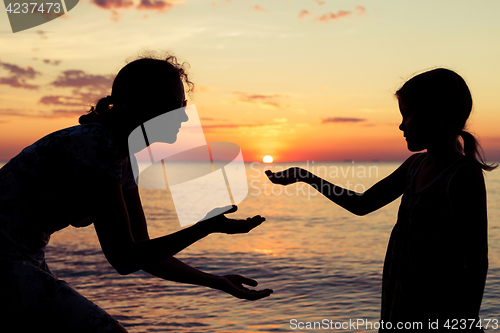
(288, 176)
(233, 284)
(220, 223)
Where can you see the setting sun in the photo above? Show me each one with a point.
(268, 159)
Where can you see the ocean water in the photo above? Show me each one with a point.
(321, 261)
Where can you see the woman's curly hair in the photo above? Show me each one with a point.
(136, 82)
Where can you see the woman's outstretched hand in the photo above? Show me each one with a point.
(220, 223)
(234, 285)
(288, 176)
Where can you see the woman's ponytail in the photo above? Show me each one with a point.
(98, 113)
(473, 150)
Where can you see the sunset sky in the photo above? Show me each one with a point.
(297, 80)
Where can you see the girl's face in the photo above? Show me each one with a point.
(419, 131)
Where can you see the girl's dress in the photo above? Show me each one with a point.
(424, 275)
(41, 191)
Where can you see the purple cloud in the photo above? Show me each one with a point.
(341, 120)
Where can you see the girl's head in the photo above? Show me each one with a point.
(435, 106)
(142, 89)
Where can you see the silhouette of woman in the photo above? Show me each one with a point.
(82, 175)
(437, 258)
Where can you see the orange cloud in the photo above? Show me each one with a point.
(202, 89)
(259, 9)
(304, 13)
(270, 100)
(218, 127)
(321, 3)
(360, 9)
(332, 16)
(12, 112)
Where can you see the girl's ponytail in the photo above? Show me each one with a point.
(473, 150)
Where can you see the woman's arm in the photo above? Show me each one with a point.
(379, 195)
(175, 270)
(127, 255)
(172, 269)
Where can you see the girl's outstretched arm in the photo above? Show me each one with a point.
(379, 195)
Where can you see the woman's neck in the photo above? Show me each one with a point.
(120, 134)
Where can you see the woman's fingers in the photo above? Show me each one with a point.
(255, 222)
(243, 226)
(220, 211)
(234, 226)
(232, 210)
(250, 282)
(254, 295)
(245, 293)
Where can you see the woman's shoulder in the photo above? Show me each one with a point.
(88, 149)
(79, 138)
(70, 135)
(91, 130)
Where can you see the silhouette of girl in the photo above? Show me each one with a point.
(82, 175)
(437, 258)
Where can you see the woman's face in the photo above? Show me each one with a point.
(174, 110)
(164, 112)
(170, 96)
